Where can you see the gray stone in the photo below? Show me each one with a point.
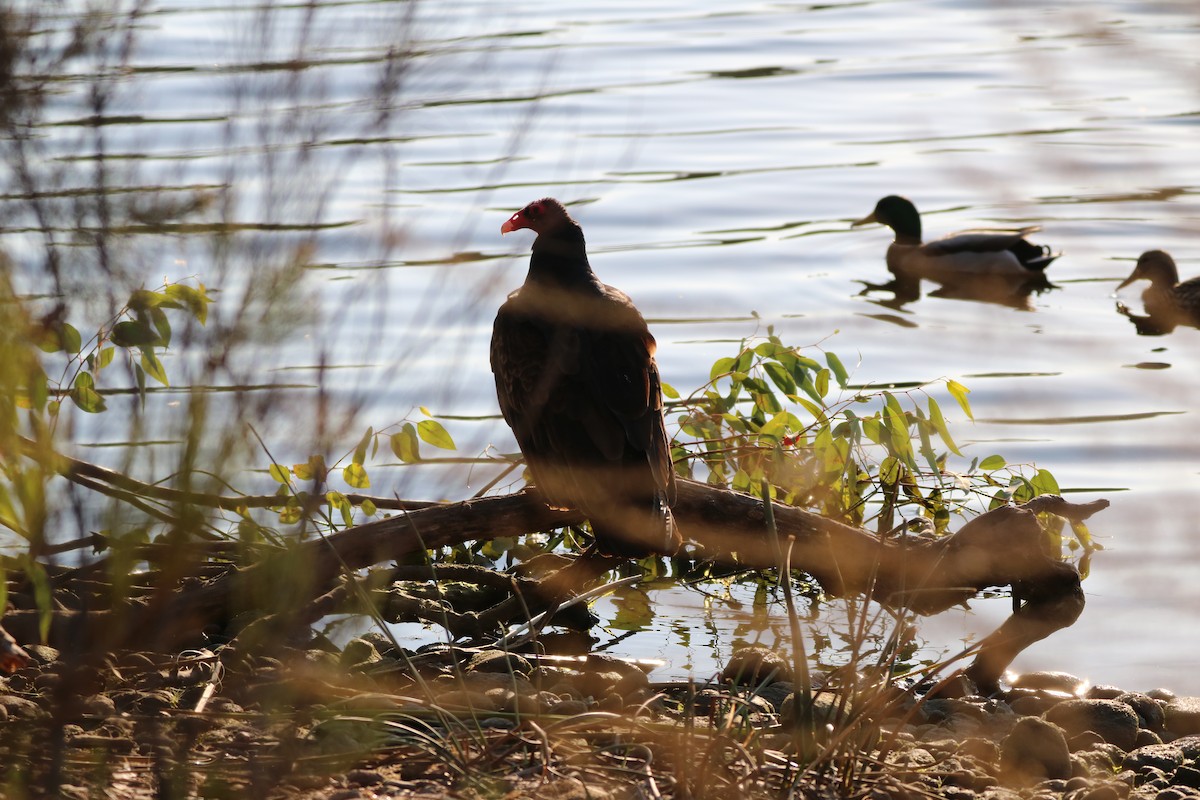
(1035, 750)
(1058, 681)
(499, 661)
(1150, 713)
(1146, 738)
(1034, 705)
(1190, 745)
(1159, 756)
(1104, 692)
(775, 693)
(1166, 695)
(1183, 715)
(750, 666)
(1116, 722)
(1105, 791)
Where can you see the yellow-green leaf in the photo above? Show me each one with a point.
(404, 444)
(354, 475)
(84, 394)
(433, 433)
(153, 367)
(669, 391)
(1044, 483)
(360, 451)
(992, 463)
(939, 424)
(823, 382)
(960, 393)
(336, 499)
(839, 369)
(280, 473)
(368, 507)
(289, 515)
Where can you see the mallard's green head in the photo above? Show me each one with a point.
(899, 214)
(1156, 266)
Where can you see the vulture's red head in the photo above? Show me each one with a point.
(539, 216)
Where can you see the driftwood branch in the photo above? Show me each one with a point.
(1004, 547)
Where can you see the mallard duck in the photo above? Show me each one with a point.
(1166, 298)
(578, 384)
(977, 252)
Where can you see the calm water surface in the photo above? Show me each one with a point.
(715, 155)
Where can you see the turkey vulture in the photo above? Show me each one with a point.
(577, 383)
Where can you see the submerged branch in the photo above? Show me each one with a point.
(1004, 547)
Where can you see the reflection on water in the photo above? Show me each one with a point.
(715, 158)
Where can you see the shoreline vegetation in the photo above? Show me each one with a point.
(166, 618)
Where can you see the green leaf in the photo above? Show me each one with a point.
(195, 300)
(106, 356)
(84, 394)
(132, 333)
(368, 507)
(822, 382)
(432, 432)
(721, 367)
(1044, 483)
(669, 391)
(839, 369)
(153, 367)
(336, 499)
(939, 424)
(960, 393)
(162, 325)
(780, 377)
(354, 475)
(289, 515)
(280, 473)
(404, 444)
(70, 338)
(360, 450)
(992, 463)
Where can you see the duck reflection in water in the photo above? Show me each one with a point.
(1014, 291)
(1167, 302)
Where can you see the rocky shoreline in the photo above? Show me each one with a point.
(369, 720)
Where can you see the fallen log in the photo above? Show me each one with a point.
(1004, 547)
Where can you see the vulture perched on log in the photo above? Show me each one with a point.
(577, 383)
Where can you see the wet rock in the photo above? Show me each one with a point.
(359, 653)
(568, 708)
(1105, 791)
(364, 777)
(775, 693)
(825, 706)
(1056, 681)
(19, 707)
(499, 661)
(1159, 756)
(1186, 775)
(1033, 751)
(464, 699)
(482, 681)
(750, 666)
(1116, 722)
(1150, 713)
(1037, 703)
(1183, 715)
(98, 705)
(1166, 695)
(1145, 738)
(1104, 692)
